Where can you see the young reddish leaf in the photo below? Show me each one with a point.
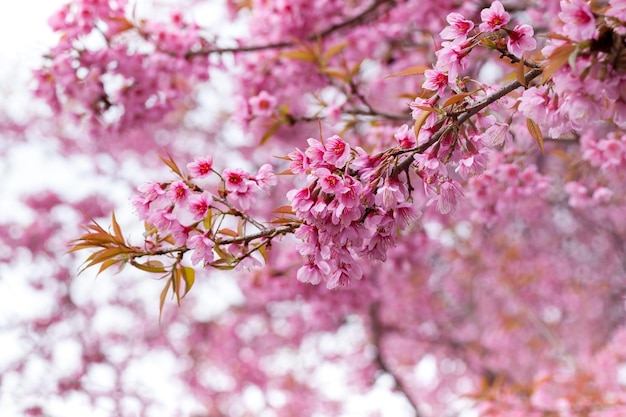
(282, 220)
(334, 50)
(150, 266)
(162, 297)
(224, 257)
(107, 264)
(415, 70)
(521, 72)
(335, 72)
(419, 122)
(228, 232)
(426, 108)
(306, 55)
(535, 132)
(285, 210)
(117, 230)
(171, 164)
(176, 280)
(273, 128)
(556, 60)
(458, 97)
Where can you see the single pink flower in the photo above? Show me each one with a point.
(178, 192)
(452, 58)
(299, 161)
(236, 180)
(493, 18)
(262, 104)
(199, 205)
(265, 177)
(200, 167)
(329, 182)
(435, 80)
(406, 136)
(313, 273)
(337, 152)
(202, 249)
(459, 27)
(617, 9)
(579, 23)
(521, 40)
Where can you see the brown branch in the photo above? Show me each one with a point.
(365, 16)
(465, 116)
(266, 233)
(377, 335)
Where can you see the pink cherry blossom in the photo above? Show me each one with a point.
(200, 167)
(178, 192)
(337, 152)
(459, 27)
(493, 18)
(579, 21)
(202, 248)
(236, 180)
(521, 40)
(262, 104)
(436, 81)
(199, 205)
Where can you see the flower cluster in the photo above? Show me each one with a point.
(348, 209)
(117, 73)
(182, 214)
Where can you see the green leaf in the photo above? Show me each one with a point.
(189, 276)
(207, 222)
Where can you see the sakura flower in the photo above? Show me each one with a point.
(330, 183)
(452, 57)
(448, 197)
(337, 152)
(202, 249)
(301, 199)
(533, 103)
(429, 163)
(262, 104)
(249, 263)
(299, 161)
(313, 273)
(391, 193)
(151, 191)
(497, 134)
(521, 40)
(493, 18)
(200, 167)
(315, 152)
(458, 29)
(602, 195)
(199, 205)
(265, 177)
(406, 136)
(236, 180)
(579, 24)
(471, 164)
(617, 9)
(178, 192)
(435, 80)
